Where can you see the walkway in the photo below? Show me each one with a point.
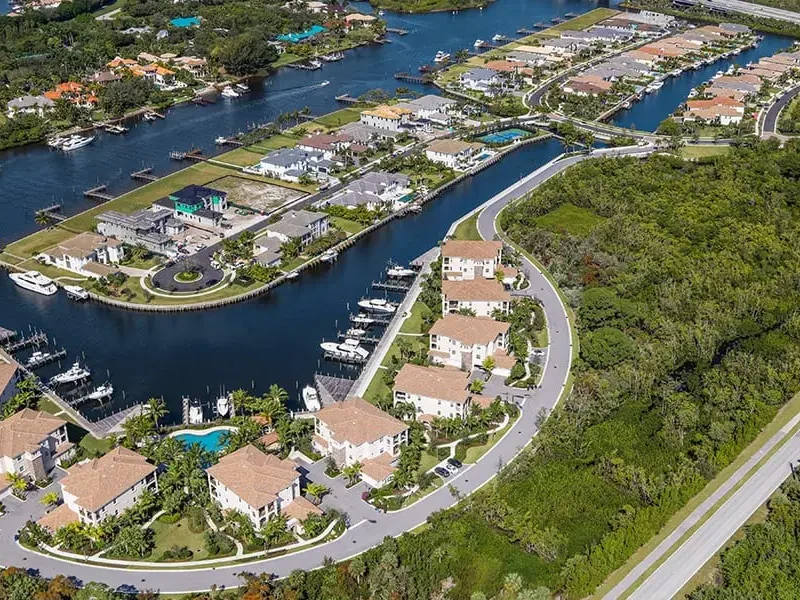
(368, 527)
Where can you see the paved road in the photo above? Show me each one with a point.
(364, 533)
(678, 569)
(748, 8)
(770, 127)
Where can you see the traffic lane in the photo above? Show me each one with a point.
(771, 118)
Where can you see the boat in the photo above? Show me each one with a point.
(363, 319)
(311, 398)
(292, 275)
(229, 92)
(425, 69)
(381, 12)
(76, 141)
(56, 142)
(692, 93)
(336, 56)
(75, 373)
(441, 57)
(223, 406)
(498, 37)
(314, 64)
(400, 272)
(478, 43)
(37, 357)
(355, 332)
(377, 305)
(348, 349)
(116, 129)
(414, 208)
(195, 413)
(148, 116)
(242, 87)
(656, 85)
(34, 282)
(220, 140)
(329, 256)
(100, 392)
(76, 292)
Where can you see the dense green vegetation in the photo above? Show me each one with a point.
(422, 6)
(764, 563)
(789, 122)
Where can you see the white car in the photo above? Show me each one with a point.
(452, 468)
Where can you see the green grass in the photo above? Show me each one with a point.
(339, 117)
(346, 225)
(691, 152)
(92, 445)
(145, 264)
(475, 452)
(414, 323)
(177, 534)
(377, 388)
(585, 20)
(108, 8)
(468, 229)
(48, 406)
(285, 59)
(427, 462)
(570, 219)
(276, 142)
(243, 157)
(420, 342)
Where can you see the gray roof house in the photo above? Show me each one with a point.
(148, 227)
(30, 105)
(302, 224)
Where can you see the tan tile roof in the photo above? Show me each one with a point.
(510, 272)
(483, 401)
(268, 439)
(387, 112)
(475, 250)
(98, 269)
(324, 141)
(320, 441)
(503, 360)
(359, 17)
(378, 468)
(452, 146)
(59, 517)
(357, 421)
(83, 244)
(24, 431)
(255, 477)
(300, 508)
(721, 101)
(97, 482)
(7, 373)
(433, 382)
(475, 290)
(469, 330)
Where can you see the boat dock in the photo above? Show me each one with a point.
(98, 193)
(304, 66)
(202, 101)
(397, 30)
(403, 76)
(367, 339)
(230, 141)
(540, 25)
(52, 212)
(145, 174)
(392, 285)
(344, 358)
(525, 31)
(36, 339)
(378, 320)
(332, 389)
(192, 154)
(347, 99)
(487, 45)
(46, 359)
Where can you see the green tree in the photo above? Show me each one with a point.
(246, 54)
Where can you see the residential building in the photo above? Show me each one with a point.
(597, 34)
(290, 164)
(355, 431)
(83, 250)
(8, 380)
(359, 20)
(32, 442)
(430, 105)
(267, 251)
(454, 154)
(151, 228)
(105, 77)
(724, 115)
(464, 342)
(587, 85)
(435, 391)
(481, 296)
(29, 105)
(735, 28)
(375, 190)
(196, 204)
(103, 487)
(329, 144)
(562, 46)
(304, 225)
(260, 486)
(390, 118)
(480, 80)
(465, 260)
(714, 102)
(509, 67)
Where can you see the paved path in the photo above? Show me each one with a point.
(770, 127)
(368, 527)
(748, 8)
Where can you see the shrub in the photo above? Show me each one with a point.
(197, 519)
(177, 553)
(170, 519)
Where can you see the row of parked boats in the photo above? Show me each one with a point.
(69, 143)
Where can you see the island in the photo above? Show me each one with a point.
(426, 6)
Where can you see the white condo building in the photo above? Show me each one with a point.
(482, 296)
(464, 342)
(464, 260)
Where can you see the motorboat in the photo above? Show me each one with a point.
(37, 357)
(242, 87)
(656, 85)
(329, 256)
(101, 392)
(75, 373)
(229, 92)
(377, 305)
(76, 141)
(356, 332)
(336, 56)
(414, 208)
(195, 413)
(314, 64)
(348, 349)
(223, 406)
(692, 93)
(381, 12)
(441, 57)
(498, 37)
(219, 140)
(363, 319)
(400, 272)
(76, 292)
(311, 398)
(292, 275)
(116, 129)
(148, 116)
(56, 142)
(34, 282)
(478, 43)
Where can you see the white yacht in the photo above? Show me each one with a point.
(377, 305)
(229, 92)
(356, 332)
(363, 319)
(76, 292)
(347, 349)
(102, 391)
(34, 282)
(497, 37)
(336, 56)
(478, 43)
(292, 275)
(314, 64)
(56, 142)
(37, 357)
(223, 406)
(219, 140)
(381, 12)
(441, 57)
(148, 116)
(75, 373)
(400, 272)
(329, 256)
(242, 87)
(76, 141)
(311, 398)
(195, 413)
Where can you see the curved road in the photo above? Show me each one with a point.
(370, 527)
(770, 127)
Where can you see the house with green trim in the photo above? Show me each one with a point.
(196, 204)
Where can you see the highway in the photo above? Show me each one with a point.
(748, 8)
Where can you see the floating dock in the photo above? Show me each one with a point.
(394, 285)
(37, 339)
(379, 320)
(348, 360)
(145, 174)
(47, 359)
(98, 193)
(403, 76)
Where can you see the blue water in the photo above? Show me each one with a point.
(211, 440)
(647, 114)
(4, 7)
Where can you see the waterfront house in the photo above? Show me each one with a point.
(735, 28)
(151, 228)
(480, 80)
(464, 342)
(358, 20)
(79, 252)
(32, 442)
(73, 92)
(29, 105)
(587, 85)
(453, 154)
(260, 486)
(597, 34)
(375, 190)
(99, 488)
(329, 144)
(623, 23)
(8, 380)
(716, 92)
(509, 67)
(467, 260)
(641, 57)
(196, 204)
(481, 296)
(198, 67)
(737, 83)
(724, 115)
(562, 46)
(765, 74)
(355, 431)
(290, 164)
(304, 225)
(267, 251)
(434, 391)
(120, 63)
(431, 105)
(390, 118)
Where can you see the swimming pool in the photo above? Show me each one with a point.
(184, 22)
(209, 439)
(299, 37)
(505, 136)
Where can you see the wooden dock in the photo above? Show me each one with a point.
(525, 31)
(192, 154)
(145, 174)
(397, 30)
(342, 358)
(98, 193)
(232, 141)
(347, 99)
(36, 339)
(52, 212)
(46, 359)
(364, 339)
(392, 286)
(378, 320)
(403, 76)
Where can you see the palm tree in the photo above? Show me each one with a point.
(50, 499)
(317, 490)
(352, 472)
(17, 481)
(43, 218)
(157, 409)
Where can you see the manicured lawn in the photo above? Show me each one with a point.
(346, 225)
(427, 462)
(273, 143)
(377, 388)
(339, 117)
(585, 20)
(145, 264)
(93, 445)
(468, 229)
(475, 452)
(702, 151)
(243, 157)
(570, 219)
(48, 406)
(177, 534)
(285, 59)
(414, 324)
(417, 342)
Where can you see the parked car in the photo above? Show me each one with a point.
(452, 468)
(442, 472)
(455, 462)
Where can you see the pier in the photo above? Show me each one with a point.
(366, 339)
(378, 320)
(37, 339)
(145, 174)
(52, 212)
(525, 31)
(46, 359)
(488, 46)
(98, 193)
(394, 285)
(192, 154)
(411, 78)
(231, 141)
(202, 101)
(397, 30)
(344, 358)
(347, 99)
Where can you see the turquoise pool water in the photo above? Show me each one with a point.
(209, 440)
(184, 22)
(299, 37)
(502, 137)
